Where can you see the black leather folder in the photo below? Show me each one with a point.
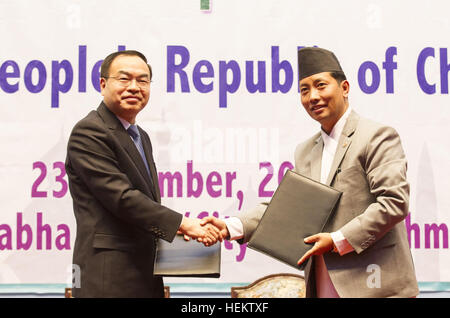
(299, 208)
(183, 258)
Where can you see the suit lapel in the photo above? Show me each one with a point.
(344, 143)
(146, 143)
(124, 139)
(316, 158)
(130, 147)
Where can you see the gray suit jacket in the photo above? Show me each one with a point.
(117, 209)
(369, 167)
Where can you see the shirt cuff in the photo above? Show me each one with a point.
(342, 245)
(235, 228)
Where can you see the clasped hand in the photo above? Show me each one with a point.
(206, 231)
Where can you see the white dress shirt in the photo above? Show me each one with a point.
(124, 123)
(324, 285)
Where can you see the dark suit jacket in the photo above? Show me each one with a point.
(117, 209)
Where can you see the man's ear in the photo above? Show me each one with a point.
(345, 85)
(102, 85)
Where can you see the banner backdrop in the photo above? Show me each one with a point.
(224, 113)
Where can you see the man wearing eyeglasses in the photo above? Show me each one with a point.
(114, 186)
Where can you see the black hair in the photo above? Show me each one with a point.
(338, 76)
(104, 69)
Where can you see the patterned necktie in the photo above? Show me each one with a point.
(134, 133)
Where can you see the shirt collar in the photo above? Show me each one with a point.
(124, 123)
(337, 129)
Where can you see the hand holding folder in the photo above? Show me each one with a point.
(323, 243)
(299, 209)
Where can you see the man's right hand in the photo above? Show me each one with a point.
(218, 223)
(208, 234)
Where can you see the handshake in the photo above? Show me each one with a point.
(208, 230)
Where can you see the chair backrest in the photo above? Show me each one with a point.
(273, 286)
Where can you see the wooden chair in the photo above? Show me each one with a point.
(68, 292)
(273, 286)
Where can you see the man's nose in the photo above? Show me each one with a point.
(314, 96)
(133, 85)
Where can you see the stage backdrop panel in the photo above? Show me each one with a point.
(224, 113)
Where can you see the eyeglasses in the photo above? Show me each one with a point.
(143, 83)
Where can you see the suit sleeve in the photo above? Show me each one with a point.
(385, 167)
(250, 220)
(91, 158)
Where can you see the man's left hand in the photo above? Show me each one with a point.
(323, 243)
